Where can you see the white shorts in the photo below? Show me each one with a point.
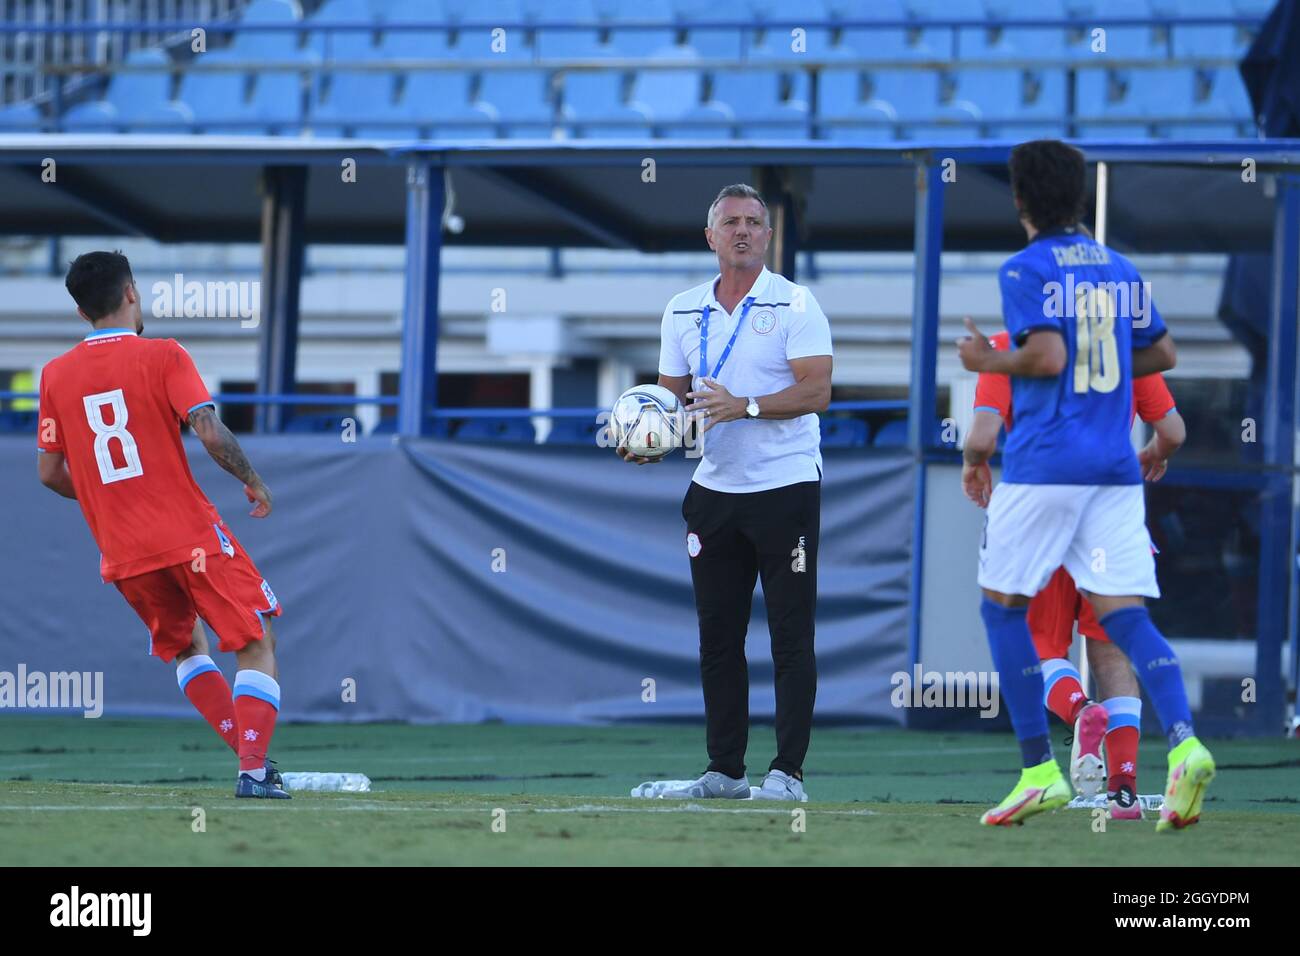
(1098, 532)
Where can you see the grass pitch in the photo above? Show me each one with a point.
(124, 793)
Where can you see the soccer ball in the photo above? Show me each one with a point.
(647, 421)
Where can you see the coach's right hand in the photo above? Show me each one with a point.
(637, 459)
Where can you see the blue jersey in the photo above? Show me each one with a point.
(1074, 429)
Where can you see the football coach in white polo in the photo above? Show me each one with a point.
(750, 352)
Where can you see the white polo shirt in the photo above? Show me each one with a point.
(783, 322)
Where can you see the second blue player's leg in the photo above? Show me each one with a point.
(1191, 767)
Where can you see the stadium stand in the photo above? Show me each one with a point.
(841, 75)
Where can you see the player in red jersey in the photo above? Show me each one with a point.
(1054, 610)
(110, 415)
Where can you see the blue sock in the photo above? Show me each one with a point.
(1131, 630)
(1020, 677)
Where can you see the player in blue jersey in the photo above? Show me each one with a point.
(1082, 325)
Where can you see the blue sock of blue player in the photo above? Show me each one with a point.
(1131, 630)
(1020, 677)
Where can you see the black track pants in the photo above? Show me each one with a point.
(735, 539)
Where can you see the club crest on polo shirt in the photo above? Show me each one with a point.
(693, 544)
(763, 321)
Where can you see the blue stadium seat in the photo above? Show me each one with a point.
(888, 43)
(1227, 87)
(18, 423)
(1121, 41)
(96, 116)
(719, 43)
(756, 98)
(20, 117)
(778, 43)
(341, 97)
(278, 97)
(522, 100)
(144, 99)
(562, 11)
(569, 43)
(892, 434)
(667, 95)
(1160, 91)
(913, 94)
(139, 100)
(219, 100)
(783, 43)
(485, 13)
(700, 10)
(1219, 108)
(1204, 40)
(629, 42)
(843, 433)
(483, 43)
(440, 101)
(845, 114)
(574, 431)
(615, 11)
(967, 44)
(593, 107)
(431, 44)
(342, 44)
(497, 429)
(794, 11)
(1103, 96)
(1015, 104)
(706, 121)
(1025, 43)
(268, 44)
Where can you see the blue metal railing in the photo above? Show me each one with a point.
(254, 398)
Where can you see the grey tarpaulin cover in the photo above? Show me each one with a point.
(383, 556)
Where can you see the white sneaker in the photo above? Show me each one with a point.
(713, 785)
(779, 785)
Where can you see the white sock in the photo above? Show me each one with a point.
(259, 774)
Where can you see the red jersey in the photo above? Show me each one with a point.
(1152, 399)
(113, 407)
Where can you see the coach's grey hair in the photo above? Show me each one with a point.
(741, 190)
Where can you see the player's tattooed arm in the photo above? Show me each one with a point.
(53, 470)
(226, 452)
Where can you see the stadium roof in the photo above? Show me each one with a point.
(1165, 196)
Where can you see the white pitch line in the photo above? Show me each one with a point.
(384, 808)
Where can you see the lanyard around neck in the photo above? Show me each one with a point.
(704, 339)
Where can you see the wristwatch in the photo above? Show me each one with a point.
(752, 408)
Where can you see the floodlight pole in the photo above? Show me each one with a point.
(1098, 233)
(1279, 537)
(284, 198)
(921, 409)
(782, 255)
(418, 390)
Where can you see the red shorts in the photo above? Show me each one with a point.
(222, 586)
(1052, 614)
